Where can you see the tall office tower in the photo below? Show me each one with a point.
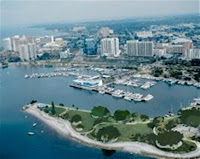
(110, 47)
(90, 47)
(15, 41)
(135, 48)
(132, 48)
(24, 52)
(32, 51)
(7, 45)
(148, 49)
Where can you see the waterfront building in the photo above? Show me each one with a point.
(7, 45)
(192, 54)
(90, 47)
(110, 47)
(32, 51)
(15, 42)
(28, 51)
(136, 48)
(24, 52)
(88, 82)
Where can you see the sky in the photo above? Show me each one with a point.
(16, 12)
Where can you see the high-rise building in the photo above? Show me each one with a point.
(24, 52)
(27, 52)
(90, 47)
(32, 49)
(136, 48)
(15, 41)
(110, 47)
(192, 54)
(7, 45)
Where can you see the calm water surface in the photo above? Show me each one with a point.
(15, 91)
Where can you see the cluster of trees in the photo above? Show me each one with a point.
(119, 115)
(108, 133)
(175, 73)
(33, 101)
(190, 117)
(100, 111)
(76, 118)
(169, 138)
(157, 72)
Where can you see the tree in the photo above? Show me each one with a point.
(76, 118)
(33, 101)
(61, 104)
(108, 133)
(53, 111)
(169, 138)
(135, 115)
(157, 121)
(100, 111)
(144, 117)
(121, 114)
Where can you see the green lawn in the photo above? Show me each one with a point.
(127, 131)
(87, 119)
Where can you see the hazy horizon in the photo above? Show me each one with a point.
(17, 12)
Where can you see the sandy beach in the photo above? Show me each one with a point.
(64, 128)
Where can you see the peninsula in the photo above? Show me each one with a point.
(170, 137)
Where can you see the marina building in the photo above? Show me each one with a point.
(88, 82)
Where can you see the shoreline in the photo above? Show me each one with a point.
(64, 128)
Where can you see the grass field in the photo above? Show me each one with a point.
(87, 119)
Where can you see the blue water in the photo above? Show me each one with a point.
(15, 91)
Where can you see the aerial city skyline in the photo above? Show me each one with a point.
(113, 79)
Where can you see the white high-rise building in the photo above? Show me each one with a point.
(27, 52)
(15, 41)
(110, 47)
(7, 45)
(192, 54)
(32, 49)
(136, 48)
(24, 52)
